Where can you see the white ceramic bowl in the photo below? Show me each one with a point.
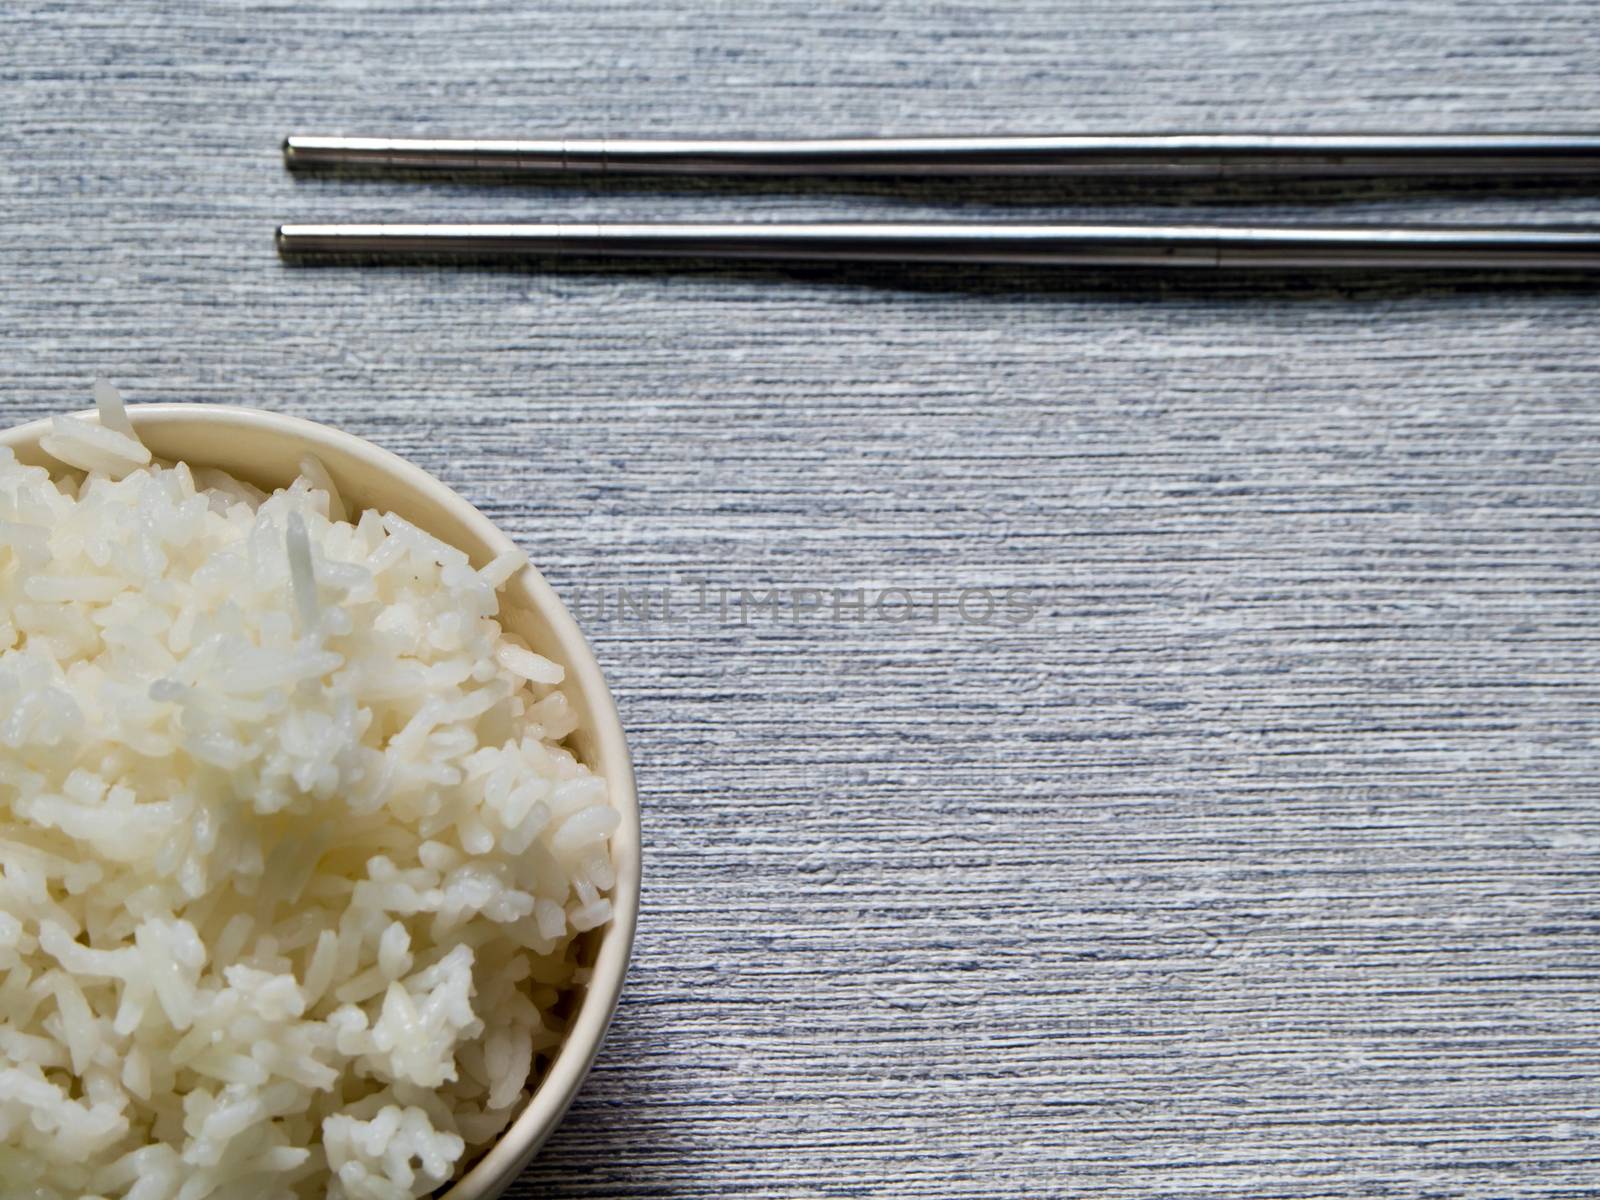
(265, 449)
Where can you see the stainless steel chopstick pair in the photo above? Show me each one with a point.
(1148, 157)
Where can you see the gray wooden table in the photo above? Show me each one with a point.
(1250, 848)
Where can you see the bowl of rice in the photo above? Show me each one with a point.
(319, 848)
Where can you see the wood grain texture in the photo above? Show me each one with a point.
(1263, 861)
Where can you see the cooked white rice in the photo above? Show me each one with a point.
(291, 855)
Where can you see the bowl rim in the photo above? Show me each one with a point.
(520, 1141)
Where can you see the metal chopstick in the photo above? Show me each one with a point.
(1179, 156)
(1065, 245)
